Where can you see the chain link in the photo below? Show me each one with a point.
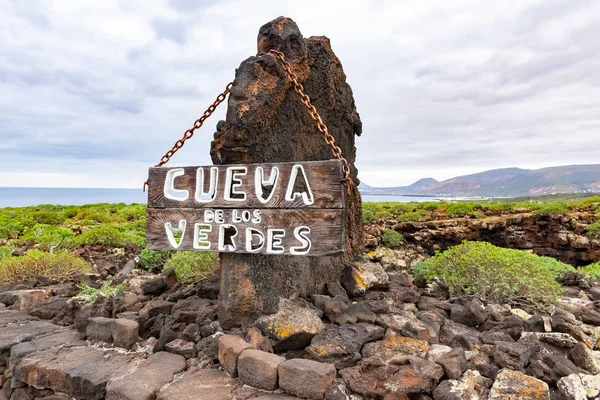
(329, 139)
(190, 132)
(197, 124)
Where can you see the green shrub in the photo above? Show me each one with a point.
(110, 236)
(13, 225)
(89, 294)
(420, 269)
(48, 217)
(131, 212)
(382, 213)
(460, 209)
(106, 235)
(431, 205)
(193, 266)
(592, 270)
(5, 252)
(556, 268)
(48, 236)
(590, 201)
(412, 216)
(478, 214)
(154, 259)
(368, 212)
(35, 264)
(91, 217)
(494, 274)
(554, 208)
(392, 239)
(593, 230)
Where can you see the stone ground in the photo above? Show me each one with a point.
(377, 335)
(45, 361)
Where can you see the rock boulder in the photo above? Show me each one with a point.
(266, 122)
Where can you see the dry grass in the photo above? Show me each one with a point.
(36, 264)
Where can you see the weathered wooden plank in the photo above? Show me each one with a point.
(324, 181)
(284, 231)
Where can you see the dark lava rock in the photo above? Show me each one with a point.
(373, 377)
(403, 294)
(454, 363)
(293, 326)
(512, 355)
(377, 306)
(341, 345)
(466, 342)
(565, 322)
(154, 308)
(417, 329)
(470, 386)
(432, 303)
(493, 337)
(534, 324)
(166, 335)
(572, 278)
(266, 123)
(260, 342)
(169, 277)
(194, 310)
(50, 308)
(154, 325)
(209, 288)
(355, 312)
(191, 333)
(153, 287)
(472, 313)
(594, 292)
(550, 367)
(591, 317)
(336, 290)
(584, 358)
(81, 372)
(451, 329)
(208, 350)
(512, 325)
(180, 293)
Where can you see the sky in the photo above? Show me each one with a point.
(92, 93)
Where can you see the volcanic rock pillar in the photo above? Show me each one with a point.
(266, 122)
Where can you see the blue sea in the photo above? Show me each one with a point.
(21, 197)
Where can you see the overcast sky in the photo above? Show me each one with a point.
(92, 93)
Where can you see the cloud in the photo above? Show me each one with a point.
(93, 93)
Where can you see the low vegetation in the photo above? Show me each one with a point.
(191, 266)
(37, 264)
(89, 294)
(556, 208)
(415, 211)
(52, 234)
(153, 260)
(66, 227)
(392, 239)
(592, 270)
(593, 230)
(496, 274)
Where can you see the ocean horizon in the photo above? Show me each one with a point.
(30, 196)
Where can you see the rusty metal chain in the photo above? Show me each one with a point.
(314, 114)
(190, 132)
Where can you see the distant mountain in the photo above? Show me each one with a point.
(398, 190)
(505, 182)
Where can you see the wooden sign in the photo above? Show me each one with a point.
(280, 208)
